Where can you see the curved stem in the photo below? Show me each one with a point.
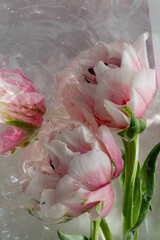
(95, 229)
(105, 229)
(131, 164)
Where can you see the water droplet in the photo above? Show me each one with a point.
(14, 179)
(46, 228)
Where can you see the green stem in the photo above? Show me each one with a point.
(105, 229)
(95, 229)
(131, 163)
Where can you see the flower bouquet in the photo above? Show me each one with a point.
(84, 139)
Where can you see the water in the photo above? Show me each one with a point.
(39, 38)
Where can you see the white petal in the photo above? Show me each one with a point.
(115, 111)
(66, 188)
(129, 58)
(50, 209)
(41, 182)
(136, 103)
(144, 82)
(109, 142)
(93, 168)
(60, 155)
(78, 140)
(140, 48)
(99, 69)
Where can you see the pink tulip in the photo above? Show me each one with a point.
(21, 109)
(10, 137)
(70, 171)
(103, 79)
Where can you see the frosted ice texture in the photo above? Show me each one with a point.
(40, 37)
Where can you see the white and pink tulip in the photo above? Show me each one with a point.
(103, 79)
(21, 109)
(70, 171)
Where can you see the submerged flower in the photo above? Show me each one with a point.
(21, 109)
(70, 171)
(103, 79)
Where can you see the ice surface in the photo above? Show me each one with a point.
(40, 37)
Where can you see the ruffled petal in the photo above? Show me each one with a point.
(78, 140)
(60, 155)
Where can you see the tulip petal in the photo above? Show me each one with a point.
(90, 119)
(114, 52)
(50, 209)
(89, 57)
(129, 58)
(105, 196)
(60, 155)
(42, 181)
(92, 169)
(65, 188)
(10, 137)
(115, 111)
(78, 140)
(141, 51)
(112, 149)
(20, 102)
(56, 211)
(144, 82)
(136, 103)
(70, 192)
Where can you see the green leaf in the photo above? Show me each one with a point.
(148, 185)
(64, 236)
(137, 125)
(148, 172)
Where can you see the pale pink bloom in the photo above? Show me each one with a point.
(103, 79)
(69, 170)
(21, 106)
